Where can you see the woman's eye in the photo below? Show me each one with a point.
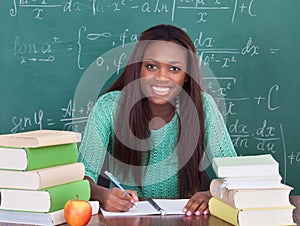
(173, 68)
(151, 66)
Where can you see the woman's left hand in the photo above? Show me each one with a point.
(198, 204)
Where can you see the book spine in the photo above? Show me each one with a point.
(63, 174)
(63, 193)
(218, 190)
(55, 155)
(42, 178)
(223, 211)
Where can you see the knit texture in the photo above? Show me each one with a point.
(160, 176)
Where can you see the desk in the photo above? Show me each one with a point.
(174, 220)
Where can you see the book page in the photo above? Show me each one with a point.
(171, 206)
(141, 208)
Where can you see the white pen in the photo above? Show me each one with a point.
(117, 184)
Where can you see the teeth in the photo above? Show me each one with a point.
(161, 90)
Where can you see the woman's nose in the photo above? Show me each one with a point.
(162, 75)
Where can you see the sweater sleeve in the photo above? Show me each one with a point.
(217, 139)
(97, 134)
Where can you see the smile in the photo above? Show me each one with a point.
(160, 90)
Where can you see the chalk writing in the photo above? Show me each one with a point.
(223, 92)
(35, 52)
(209, 54)
(284, 152)
(72, 116)
(250, 48)
(44, 52)
(37, 7)
(23, 122)
(239, 134)
(202, 8)
(265, 135)
(294, 157)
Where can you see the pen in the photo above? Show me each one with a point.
(157, 207)
(117, 184)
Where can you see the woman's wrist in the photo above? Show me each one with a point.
(97, 192)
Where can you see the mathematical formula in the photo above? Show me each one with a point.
(45, 51)
(201, 8)
(71, 116)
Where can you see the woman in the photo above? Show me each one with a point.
(153, 125)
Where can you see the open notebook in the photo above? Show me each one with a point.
(170, 206)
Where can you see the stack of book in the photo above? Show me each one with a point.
(39, 173)
(249, 191)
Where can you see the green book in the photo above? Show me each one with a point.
(36, 158)
(44, 200)
(246, 166)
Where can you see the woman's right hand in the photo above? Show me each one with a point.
(115, 200)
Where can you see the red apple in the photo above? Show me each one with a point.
(77, 212)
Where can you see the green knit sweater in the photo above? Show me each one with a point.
(160, 176)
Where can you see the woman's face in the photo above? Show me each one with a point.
(163, 71)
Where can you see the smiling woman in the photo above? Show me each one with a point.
(163, 73)
(153, 126)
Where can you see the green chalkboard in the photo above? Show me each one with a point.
(54, 52)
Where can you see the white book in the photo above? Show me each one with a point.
(45, 200)
(53, 218)
(252, 182)
(169, 206)
(42, 178)
(246, 166)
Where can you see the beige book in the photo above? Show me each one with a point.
(41, 178)
(251, 198)
(39, 138)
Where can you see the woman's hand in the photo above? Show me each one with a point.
(198, 204)
(115, 200)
